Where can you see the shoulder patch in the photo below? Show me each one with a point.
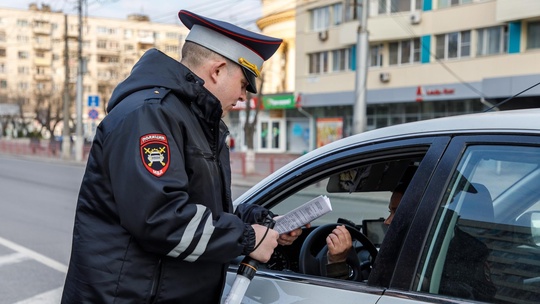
(155, 153)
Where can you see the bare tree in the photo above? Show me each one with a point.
(250, 127)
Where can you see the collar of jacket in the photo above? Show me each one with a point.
(156, 69)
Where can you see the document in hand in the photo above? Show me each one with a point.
(304, 214)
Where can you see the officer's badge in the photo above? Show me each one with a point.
(155, 153)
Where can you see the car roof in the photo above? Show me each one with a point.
(514, 121)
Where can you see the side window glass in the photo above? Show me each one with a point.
(484, 244)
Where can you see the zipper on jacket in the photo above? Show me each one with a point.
(155, 283)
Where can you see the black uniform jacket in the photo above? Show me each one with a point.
(154, 220)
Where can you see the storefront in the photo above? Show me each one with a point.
(281, 127)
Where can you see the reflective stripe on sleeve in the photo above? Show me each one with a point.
(203, 242)
(191, 228)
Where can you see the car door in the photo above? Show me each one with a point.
(474, 234)
(316, 176)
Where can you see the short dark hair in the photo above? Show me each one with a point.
(400, 188)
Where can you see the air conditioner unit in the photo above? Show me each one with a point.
(416, 17)
(323, 35)
(384, 77)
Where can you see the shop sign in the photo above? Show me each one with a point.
(285, 101)
(421, 92)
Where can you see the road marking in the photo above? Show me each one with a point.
(50, 297)
(12, 258)
(34, 255)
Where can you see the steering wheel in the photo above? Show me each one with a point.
(316, 264)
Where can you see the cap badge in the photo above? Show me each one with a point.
(250, 66)
(154, 149)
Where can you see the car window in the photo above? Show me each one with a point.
(484, 244)
(359, 192)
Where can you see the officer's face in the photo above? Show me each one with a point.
(232, 87)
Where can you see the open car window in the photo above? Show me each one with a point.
(359, 192)
(484, 244)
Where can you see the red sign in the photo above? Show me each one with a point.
(432, 92)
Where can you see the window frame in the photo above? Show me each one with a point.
(484, 36)
(529, 37)
(454, 42)
(320, 18)
(413, 56)
(378, 57)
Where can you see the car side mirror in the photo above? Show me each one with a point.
(535, 227)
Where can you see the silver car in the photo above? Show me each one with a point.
(467, 228)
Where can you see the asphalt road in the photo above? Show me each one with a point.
(37, 203)
(37, 208)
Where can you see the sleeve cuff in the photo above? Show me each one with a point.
(249, 239)
(339, 270)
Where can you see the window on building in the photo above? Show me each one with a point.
(23, 70)
(448, 3)
(146, 34)
(375, 55)
(453, 45)
(40, 70)
(2, 68)
(492, 40)
(320, 18)
(353, 10)
(337, 13)
(22, 23)
(404, 52)
(340, 60)
(23, 55)
(102, 44)
(22, 38)
(2, 52)
(171, 48)
(3, 84)
(22, 86)
(396, 6)
(318, 63)
(129, 47)
(128, 33)
(171, 35)
(40, 54)
(2, 36)
(533, 35)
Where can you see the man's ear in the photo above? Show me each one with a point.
(217, 69)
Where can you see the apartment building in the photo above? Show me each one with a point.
(33, 69)
(426, 59)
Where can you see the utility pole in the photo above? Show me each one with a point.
(362, 47)
(66, 140)
(79, 129)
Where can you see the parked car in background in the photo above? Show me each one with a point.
(467, 228)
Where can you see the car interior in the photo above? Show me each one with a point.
(360, 197)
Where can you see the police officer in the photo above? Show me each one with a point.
(154, 221)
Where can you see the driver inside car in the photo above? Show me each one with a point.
(339, 241)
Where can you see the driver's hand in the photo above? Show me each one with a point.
(339, 243)
(291, 236)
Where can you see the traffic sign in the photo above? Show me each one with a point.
(93, 114)
(93, 101)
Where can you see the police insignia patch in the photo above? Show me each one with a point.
(155, 153)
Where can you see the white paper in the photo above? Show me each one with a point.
(304, 214)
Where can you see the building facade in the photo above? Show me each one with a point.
(39, 61)
(426, 59)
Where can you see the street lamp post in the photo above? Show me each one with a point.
(79, 129)
(362, 46)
